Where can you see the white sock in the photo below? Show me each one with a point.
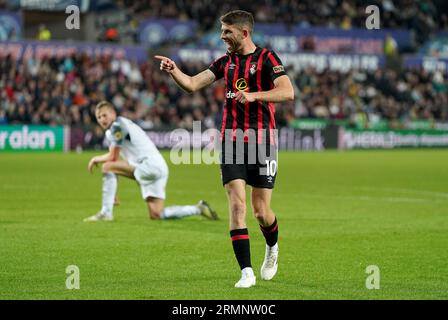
(179, 212)
(109, 190)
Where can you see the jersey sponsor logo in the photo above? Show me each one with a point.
(241, 84)
(278, 69)
(230, 95)
(232, 66)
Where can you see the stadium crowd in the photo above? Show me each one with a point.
(385, 94)
(65, 91)
(421, 16)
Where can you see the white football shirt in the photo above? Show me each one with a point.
(135, 145)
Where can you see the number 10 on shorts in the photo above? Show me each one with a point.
(271, 167)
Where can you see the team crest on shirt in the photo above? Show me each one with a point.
(118, 135)
(253, 68)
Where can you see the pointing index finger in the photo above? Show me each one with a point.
(161, 57)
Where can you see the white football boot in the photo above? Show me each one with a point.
(269, 267)
(247, 278)
(207, 211)
(99, 217)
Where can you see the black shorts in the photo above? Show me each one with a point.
(258, 167)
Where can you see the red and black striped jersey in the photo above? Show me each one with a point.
(252, 72)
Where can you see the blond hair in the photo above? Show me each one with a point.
(104, 104)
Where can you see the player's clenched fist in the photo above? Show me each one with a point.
(166, 64)
(243, 96)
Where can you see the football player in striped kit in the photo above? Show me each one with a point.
(255, 79)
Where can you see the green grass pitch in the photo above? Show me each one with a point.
(338, 213)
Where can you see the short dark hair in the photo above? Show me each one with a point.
(239, 18)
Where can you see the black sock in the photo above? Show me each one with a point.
(270, 233)
(241, 247)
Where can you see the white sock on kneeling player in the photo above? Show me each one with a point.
(109, 190)
(179, 212)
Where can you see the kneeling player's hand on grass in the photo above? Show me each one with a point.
(166, 64)
(92, 163)
(243, 97)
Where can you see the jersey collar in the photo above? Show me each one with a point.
(243, 55)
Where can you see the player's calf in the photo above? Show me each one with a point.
(262, 211)
(238, 216)
(154, 215)
(155, 208)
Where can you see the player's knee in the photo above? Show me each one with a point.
(260, 209)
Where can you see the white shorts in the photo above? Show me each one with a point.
(152, 178)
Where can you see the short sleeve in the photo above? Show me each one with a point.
(217, 67)
(117, 134)
(274, 66)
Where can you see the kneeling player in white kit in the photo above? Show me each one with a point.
(142, 162)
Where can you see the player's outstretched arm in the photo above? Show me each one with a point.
(112, 155)
(283, 91)
(186, 82)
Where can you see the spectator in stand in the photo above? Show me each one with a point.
(44, 33)
(111, 35)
